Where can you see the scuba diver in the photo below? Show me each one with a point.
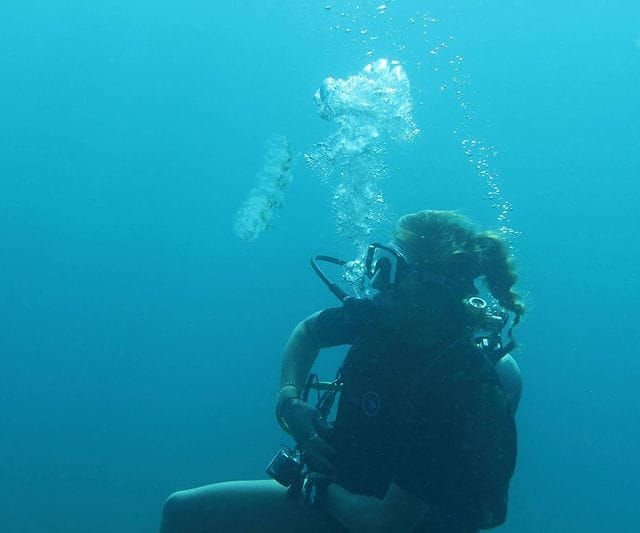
(424, 438)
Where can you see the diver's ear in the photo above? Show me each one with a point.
(381, 278)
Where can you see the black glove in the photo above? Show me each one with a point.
(314, 489)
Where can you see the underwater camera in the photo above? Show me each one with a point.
(286, 466)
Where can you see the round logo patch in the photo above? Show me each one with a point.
(371, 403)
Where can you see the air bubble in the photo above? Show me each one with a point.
(370, 109)
(258, 212)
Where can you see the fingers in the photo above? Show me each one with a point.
(301, 419)
(307, 428)
(320, 464)
(305, 421)
(319, 454)
(323, 426)
(326, 449)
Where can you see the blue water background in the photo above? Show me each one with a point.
(140, 339)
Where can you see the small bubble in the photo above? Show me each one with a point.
(364, 31)
(327, 7)
(412, 20)
(347, 30)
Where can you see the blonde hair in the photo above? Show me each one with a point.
(435, 238)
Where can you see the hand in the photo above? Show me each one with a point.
(307, 427)
(314, 488)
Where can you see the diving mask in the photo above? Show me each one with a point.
(387, 264)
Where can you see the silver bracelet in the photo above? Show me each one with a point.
(283, 399)
(290, 384)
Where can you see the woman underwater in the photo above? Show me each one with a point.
(424, 438)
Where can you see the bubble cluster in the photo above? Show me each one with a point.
(478, 152)
(452, 80)
(369, 108)
(426, 44)
(259, 210)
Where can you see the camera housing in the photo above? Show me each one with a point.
(286, 466)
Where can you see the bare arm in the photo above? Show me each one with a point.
(399, 511)
(301, 420)
(300, 353)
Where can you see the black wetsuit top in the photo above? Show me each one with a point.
(436, 424)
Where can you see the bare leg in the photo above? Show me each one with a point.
(242, 506)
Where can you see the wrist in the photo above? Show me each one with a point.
(287, 393)
(316, 489)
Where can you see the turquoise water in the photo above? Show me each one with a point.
(140, 337)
